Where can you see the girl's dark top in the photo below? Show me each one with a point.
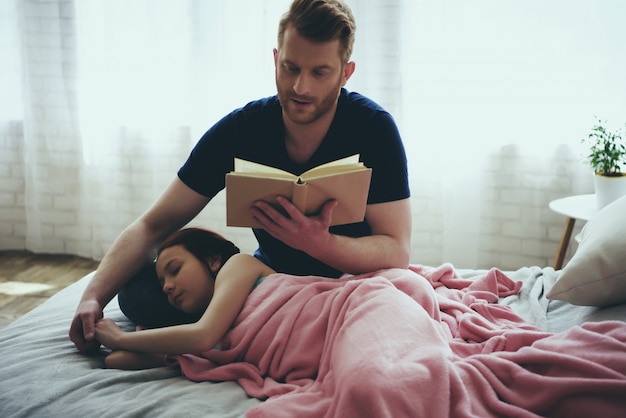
(256, 133)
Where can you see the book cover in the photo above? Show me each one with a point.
(346, 180)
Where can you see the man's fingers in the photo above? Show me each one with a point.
(268, 214)
(327, 211)
(289, 208)
(88, 326)
(82, 344)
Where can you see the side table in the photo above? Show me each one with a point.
(574, 207)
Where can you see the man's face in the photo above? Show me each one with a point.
(309, 77)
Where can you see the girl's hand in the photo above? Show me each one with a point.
(108, 333)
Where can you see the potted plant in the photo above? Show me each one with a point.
(607, 153)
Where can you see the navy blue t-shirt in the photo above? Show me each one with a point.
(256, 133)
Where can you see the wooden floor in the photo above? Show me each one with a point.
(27, 280)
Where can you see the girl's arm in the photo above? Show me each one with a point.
(232, 286)
(130, 360)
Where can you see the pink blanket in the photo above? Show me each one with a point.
(411, 343)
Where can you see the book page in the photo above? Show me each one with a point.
(342, 165)
(260, 170)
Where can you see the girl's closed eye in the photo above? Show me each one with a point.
(174, 270)
(171, 269)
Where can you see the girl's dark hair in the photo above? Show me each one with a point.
(202, 243)
(321, 21)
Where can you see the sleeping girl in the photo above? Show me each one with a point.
(200, 271)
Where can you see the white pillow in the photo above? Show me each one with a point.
(596, 274)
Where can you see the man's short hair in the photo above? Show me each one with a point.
(321, 21)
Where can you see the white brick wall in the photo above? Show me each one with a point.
(12, 216)
(516, 227)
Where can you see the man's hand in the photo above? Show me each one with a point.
(108, 333)
(82, 331)
(388, 245)
(297, 230)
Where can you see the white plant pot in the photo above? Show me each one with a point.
(608, 189)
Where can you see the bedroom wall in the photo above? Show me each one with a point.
(12, 215)
(517, 228)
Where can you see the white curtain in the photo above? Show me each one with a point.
(492, 90)
(111, 95)
(530, 73)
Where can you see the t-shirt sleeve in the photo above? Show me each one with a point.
(250, 132)
(387, 158)
(211, 158)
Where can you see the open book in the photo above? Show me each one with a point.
(346, 180)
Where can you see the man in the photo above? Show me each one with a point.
(312, 120)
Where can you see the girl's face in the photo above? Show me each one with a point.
(187, 281)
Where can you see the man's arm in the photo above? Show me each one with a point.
(387, 247)
(131, 250)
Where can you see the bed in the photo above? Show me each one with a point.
(494, 344)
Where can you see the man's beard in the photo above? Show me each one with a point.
(316, 108)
